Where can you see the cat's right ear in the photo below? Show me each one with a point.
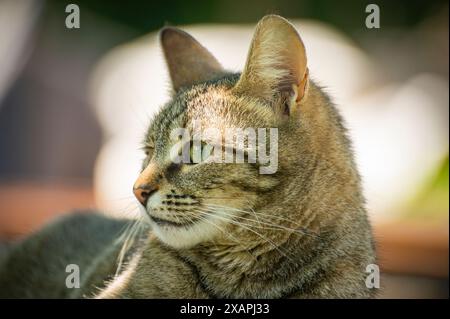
(188, 61)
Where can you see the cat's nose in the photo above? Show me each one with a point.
(143, 192)
(147, 183)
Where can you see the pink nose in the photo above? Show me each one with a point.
(143, 192)
(147, 183)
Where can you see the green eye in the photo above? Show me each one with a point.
(192, 153)
(199, 152)
(206, 151)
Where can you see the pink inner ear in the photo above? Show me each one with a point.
(286, 110)
(303, 86)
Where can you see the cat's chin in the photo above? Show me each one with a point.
(185, 236)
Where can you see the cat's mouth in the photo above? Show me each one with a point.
(164, 222)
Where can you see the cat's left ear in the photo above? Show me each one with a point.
(188, 61)
(276, 62)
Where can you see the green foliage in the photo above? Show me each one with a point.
(433, 200)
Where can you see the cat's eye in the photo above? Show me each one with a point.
(199, 152)
(207, 151)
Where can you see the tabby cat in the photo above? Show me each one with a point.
(222, 230)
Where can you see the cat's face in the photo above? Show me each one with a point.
(193, 200)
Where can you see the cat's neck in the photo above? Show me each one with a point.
(237, 269)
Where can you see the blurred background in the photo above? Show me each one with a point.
(74, 104)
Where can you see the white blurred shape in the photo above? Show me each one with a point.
(399, 133)
(114, 175)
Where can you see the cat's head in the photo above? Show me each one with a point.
(190, 203)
